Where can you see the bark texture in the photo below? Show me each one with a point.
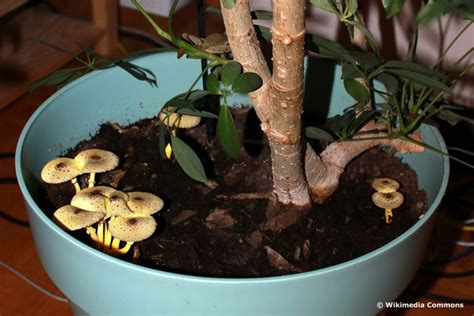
(246, 50)
(278, 102)
(284, 128)
(323, 172)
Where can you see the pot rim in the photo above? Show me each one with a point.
(158, 273)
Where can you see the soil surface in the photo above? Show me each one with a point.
(220, 232)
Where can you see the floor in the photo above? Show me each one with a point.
(17, 297)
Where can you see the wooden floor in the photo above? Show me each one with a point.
(17, 248)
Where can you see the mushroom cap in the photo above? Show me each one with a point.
(91, 200)
(101, 189)
(385, 185)
(117, 205)
(144, 203)
(172, 119)
(389, 200)
(60, 170)
(96, 160)
(73, 218)
(133, 228)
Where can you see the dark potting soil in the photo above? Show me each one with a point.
(219, 231)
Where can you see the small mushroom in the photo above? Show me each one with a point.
(143, 203)
(170, 118)
(91, 200)
(116, 205)
(95, 161)
(132, 229)
(385, 185)
(388, 201)
(73, 218)
(60, 170)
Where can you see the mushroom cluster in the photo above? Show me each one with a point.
(89, 161)
(387, 196)
(120, 216)
(174, 121)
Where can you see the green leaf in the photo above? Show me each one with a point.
(392, 7)
(389, 81)
(331, 49)
(179, 103)
(230, 72)
(351, 6)
(368, 34)
(324, 4)
(138, 72)
(399, 64)
(227, 132)
(318, 133)
(188, 160)
(246, 82)
(361, 120)
(197, 94)
(454, 118)
(421, 79)
(194, 112)
(431, 11)
(212, 84)
(264, 32)
(56, 78)
(262, 15)
(228, 4)
(356, 90)
(349, 71)
(366, 60)
(462, 150)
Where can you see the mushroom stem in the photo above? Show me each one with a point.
(76, 185)
(100, 232)
(108, 237)
(115, 244)
(388, 215)
(125, 248)
(168, 151)
(93, 234)
(91, 179)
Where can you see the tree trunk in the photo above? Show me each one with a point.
(284, 127)
(278, 102)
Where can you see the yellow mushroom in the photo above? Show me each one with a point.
(90, 199)
(174, 120)
(170, 118)
(73, 218)
(116, 205)
(388, 201)
(385, 185)
(60, 170)
(132, 229)
(94, 161)
(143, 203)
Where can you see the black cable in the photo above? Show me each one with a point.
(440, 298)
(449, 275)
(8, 181)
(466, 252)
(7, 155)
(13, 220)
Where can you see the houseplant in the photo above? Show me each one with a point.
(171, 291)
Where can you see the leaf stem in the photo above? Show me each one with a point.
(192, 51)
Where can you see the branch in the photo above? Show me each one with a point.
(323, 180)
(246, 50)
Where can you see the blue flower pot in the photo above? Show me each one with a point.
(98, 284)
